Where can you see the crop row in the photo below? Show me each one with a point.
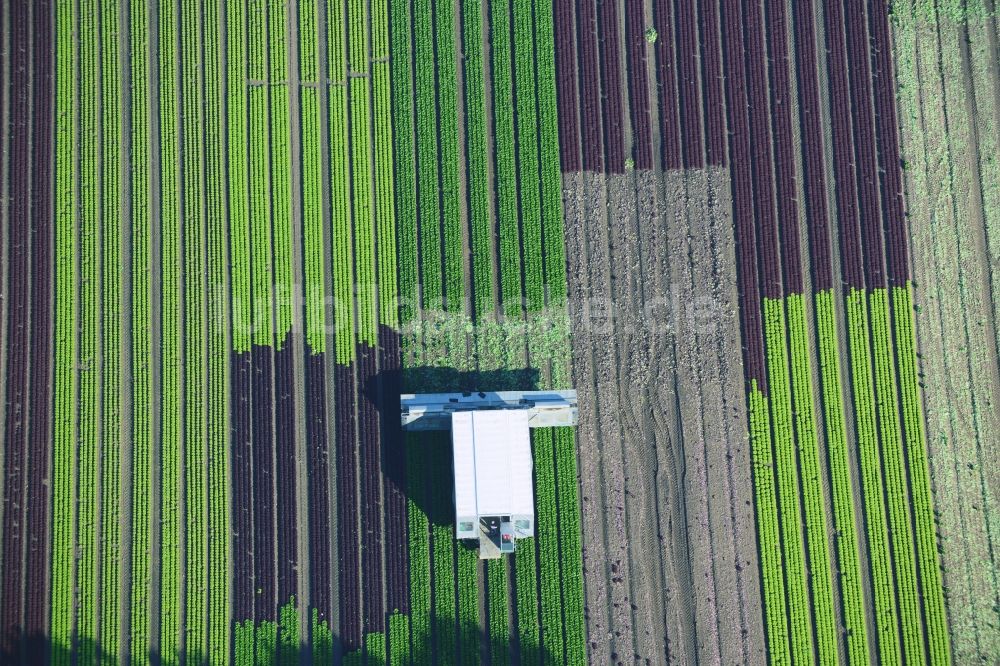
(142, 387)
(554, 250)
(893, 466)
(451, 195)
(768, 526)
(90, 318)
(505, 164)
(318, 462)
(111, 314)
(37, 515)
(688, 82)
(348, 527)
(281, 193)
(342, 262)
(638, 83)
(241, 290)
(612, 103)
(385, 219)
(530, 204)
(859, 68)
(496, 604)
(844, 514)
(315, 262)
(361, 174)
(443, 550)
(218, 423)
(468, 605)
(666, 78)
(238, 183)
(793, 538)
(711, 83)
(322, 639)
(738, 123)
(263, 490)
(261, 248)
(394, 474)
(547, 535)
(923, 512)
(784, 148)
(809, 464)
(194, 484)
(427, 155)
(370, 460)
(590, 86)
(526, 567)
(823, 610)
(401, 70)
(813, 148)
(477, 157)
(871, 473)
(172, 563)
(399, 639)
(565, 82)
(570, 545)
(17, 296)
(284, 409)
(931, 595)
(840, 129)
(420, 557)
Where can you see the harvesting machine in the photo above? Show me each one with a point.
(491, 450)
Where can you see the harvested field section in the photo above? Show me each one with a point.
(948, 83)
(690, 593)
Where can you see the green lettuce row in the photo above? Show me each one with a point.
(871, 474)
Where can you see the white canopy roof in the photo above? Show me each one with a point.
(492, 456)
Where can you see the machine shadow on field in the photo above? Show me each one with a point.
(383, 389)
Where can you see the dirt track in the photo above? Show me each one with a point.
(670, 555)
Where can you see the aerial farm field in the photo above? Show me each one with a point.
(760, 239)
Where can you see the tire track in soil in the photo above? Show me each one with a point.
(678, 632)
(693, 434)
(638, 434)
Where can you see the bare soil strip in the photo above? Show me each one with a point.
(670, 549)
